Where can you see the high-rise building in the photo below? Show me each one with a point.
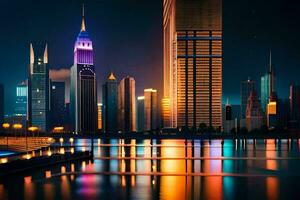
(246, 88)
(294, 106)
(228, 112)
(165, 111)
(193, 61)
(38, 87)
(57, 103)
(140, 113)
(272, 111)
(1, 104)
(254, 114)
(150, 109)
(83, 85)
(267, 85)
(99, 106)
(126, 105)
(21, 99)
(110, 104)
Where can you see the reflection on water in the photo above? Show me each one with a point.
(166, 169)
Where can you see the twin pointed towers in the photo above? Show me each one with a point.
(83, 99)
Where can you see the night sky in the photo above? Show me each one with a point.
(127, 39)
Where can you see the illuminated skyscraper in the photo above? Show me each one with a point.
(110, 105)
(99, 106)
(272, 111)
(246, 88)
(83, 85)
(57, 103)
(267, 85)
(21, 99)
(38, 87)
(140, 113)
(150, 109)
(193, 61)
(126, 104)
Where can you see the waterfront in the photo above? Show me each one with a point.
(166, 169)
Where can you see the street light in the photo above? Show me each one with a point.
(31, 129)
(6, 126)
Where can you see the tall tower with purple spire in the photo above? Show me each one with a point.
(83, 100)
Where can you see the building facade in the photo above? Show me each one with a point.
(294, 106)
(126, 105)
(38, 87)
(267, 85)
(83, 85)
(247, 87)
(254, 114)
(21, 99)
(110, 105)
(150, 109)
(140, 113)
(193, 62)
(57, 103)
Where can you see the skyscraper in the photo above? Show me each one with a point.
(99, 106)
(140, 113)
(83, 84)
(267, 85)
(1, 104)
(254, 114)
(246, 88)
(38, 87)
(294, 106)
(110, 104)
(126, 104)
(21, 99)
(193, 61)
(57, 103)
(150, 109)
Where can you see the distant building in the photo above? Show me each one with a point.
(192, 46)
(99, 106)
(110, 104)
(38, 87)
(126, 105)
(229, 122)
(294, 106)
(1, 104)
(283, 113)
(21, 99)
(254, 114)
(150, 109)
(140, 113)
(83, 101)
(246, 88)
(57, 103)
(267, 85)
(272, 111)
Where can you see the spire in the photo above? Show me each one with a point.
(82, 23)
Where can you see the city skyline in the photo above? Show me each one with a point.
(151, 19)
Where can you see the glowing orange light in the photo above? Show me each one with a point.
(17, 126)
(33, 128)
(6, 125)
(58, 129)
(4, 160)
(48, 174)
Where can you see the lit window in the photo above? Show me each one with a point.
(53, 87)
(37, 90)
